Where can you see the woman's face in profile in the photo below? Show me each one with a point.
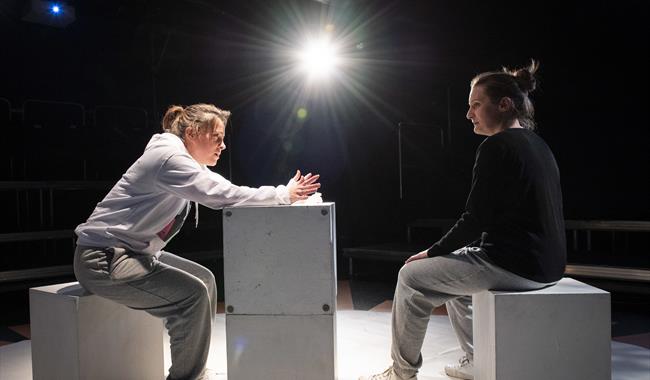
(483, 114)
(206, 146)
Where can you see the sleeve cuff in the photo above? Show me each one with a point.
(434, 251)
(283, 195)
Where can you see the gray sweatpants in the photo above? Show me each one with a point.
(425, 284)
(182, 292)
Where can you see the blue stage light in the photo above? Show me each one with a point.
(57, 13)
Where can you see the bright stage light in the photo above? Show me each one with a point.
(48, 12)
(318, 58)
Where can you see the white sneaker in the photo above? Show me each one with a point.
(211, 374)
(463, 370)
(388, 374)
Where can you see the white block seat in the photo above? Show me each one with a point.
(560, 332)
(77, 335)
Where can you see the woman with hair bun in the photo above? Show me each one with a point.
(119, 252)
(510, 237)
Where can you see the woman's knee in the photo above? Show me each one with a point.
(408, 275)
(205, 274)
(197, 290)
(210, 280)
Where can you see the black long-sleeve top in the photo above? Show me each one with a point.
(514, 208)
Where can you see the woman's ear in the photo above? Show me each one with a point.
(190, 133)
(505, 104)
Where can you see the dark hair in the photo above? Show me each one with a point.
(199, 116)
(513, 84)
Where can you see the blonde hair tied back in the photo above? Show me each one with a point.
(197, 116)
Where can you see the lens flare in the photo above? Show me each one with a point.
(319, 58)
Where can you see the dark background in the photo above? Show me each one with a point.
(409, 61)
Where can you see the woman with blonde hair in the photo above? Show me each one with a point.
(120, 254)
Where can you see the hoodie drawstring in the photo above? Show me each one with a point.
(196, 215)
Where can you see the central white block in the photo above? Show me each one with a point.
(280, 290)
(283, 347)
(280, 260)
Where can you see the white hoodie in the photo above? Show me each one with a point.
(148, 205)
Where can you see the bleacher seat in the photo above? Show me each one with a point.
(124, 132)
(53, 140)
(420, 147)
(8, 161)
(69, 207)
(7, 142)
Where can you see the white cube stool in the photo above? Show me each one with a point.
(560, 332)
(76, 336)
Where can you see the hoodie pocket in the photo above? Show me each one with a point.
(127, 266)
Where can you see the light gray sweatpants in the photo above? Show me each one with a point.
(451, 279)
(182, 292)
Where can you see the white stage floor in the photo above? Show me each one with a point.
(363, 347)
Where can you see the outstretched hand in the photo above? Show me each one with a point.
(301, 187)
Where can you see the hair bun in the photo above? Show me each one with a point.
(172, 114)
(525, 77)
(174, 110)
